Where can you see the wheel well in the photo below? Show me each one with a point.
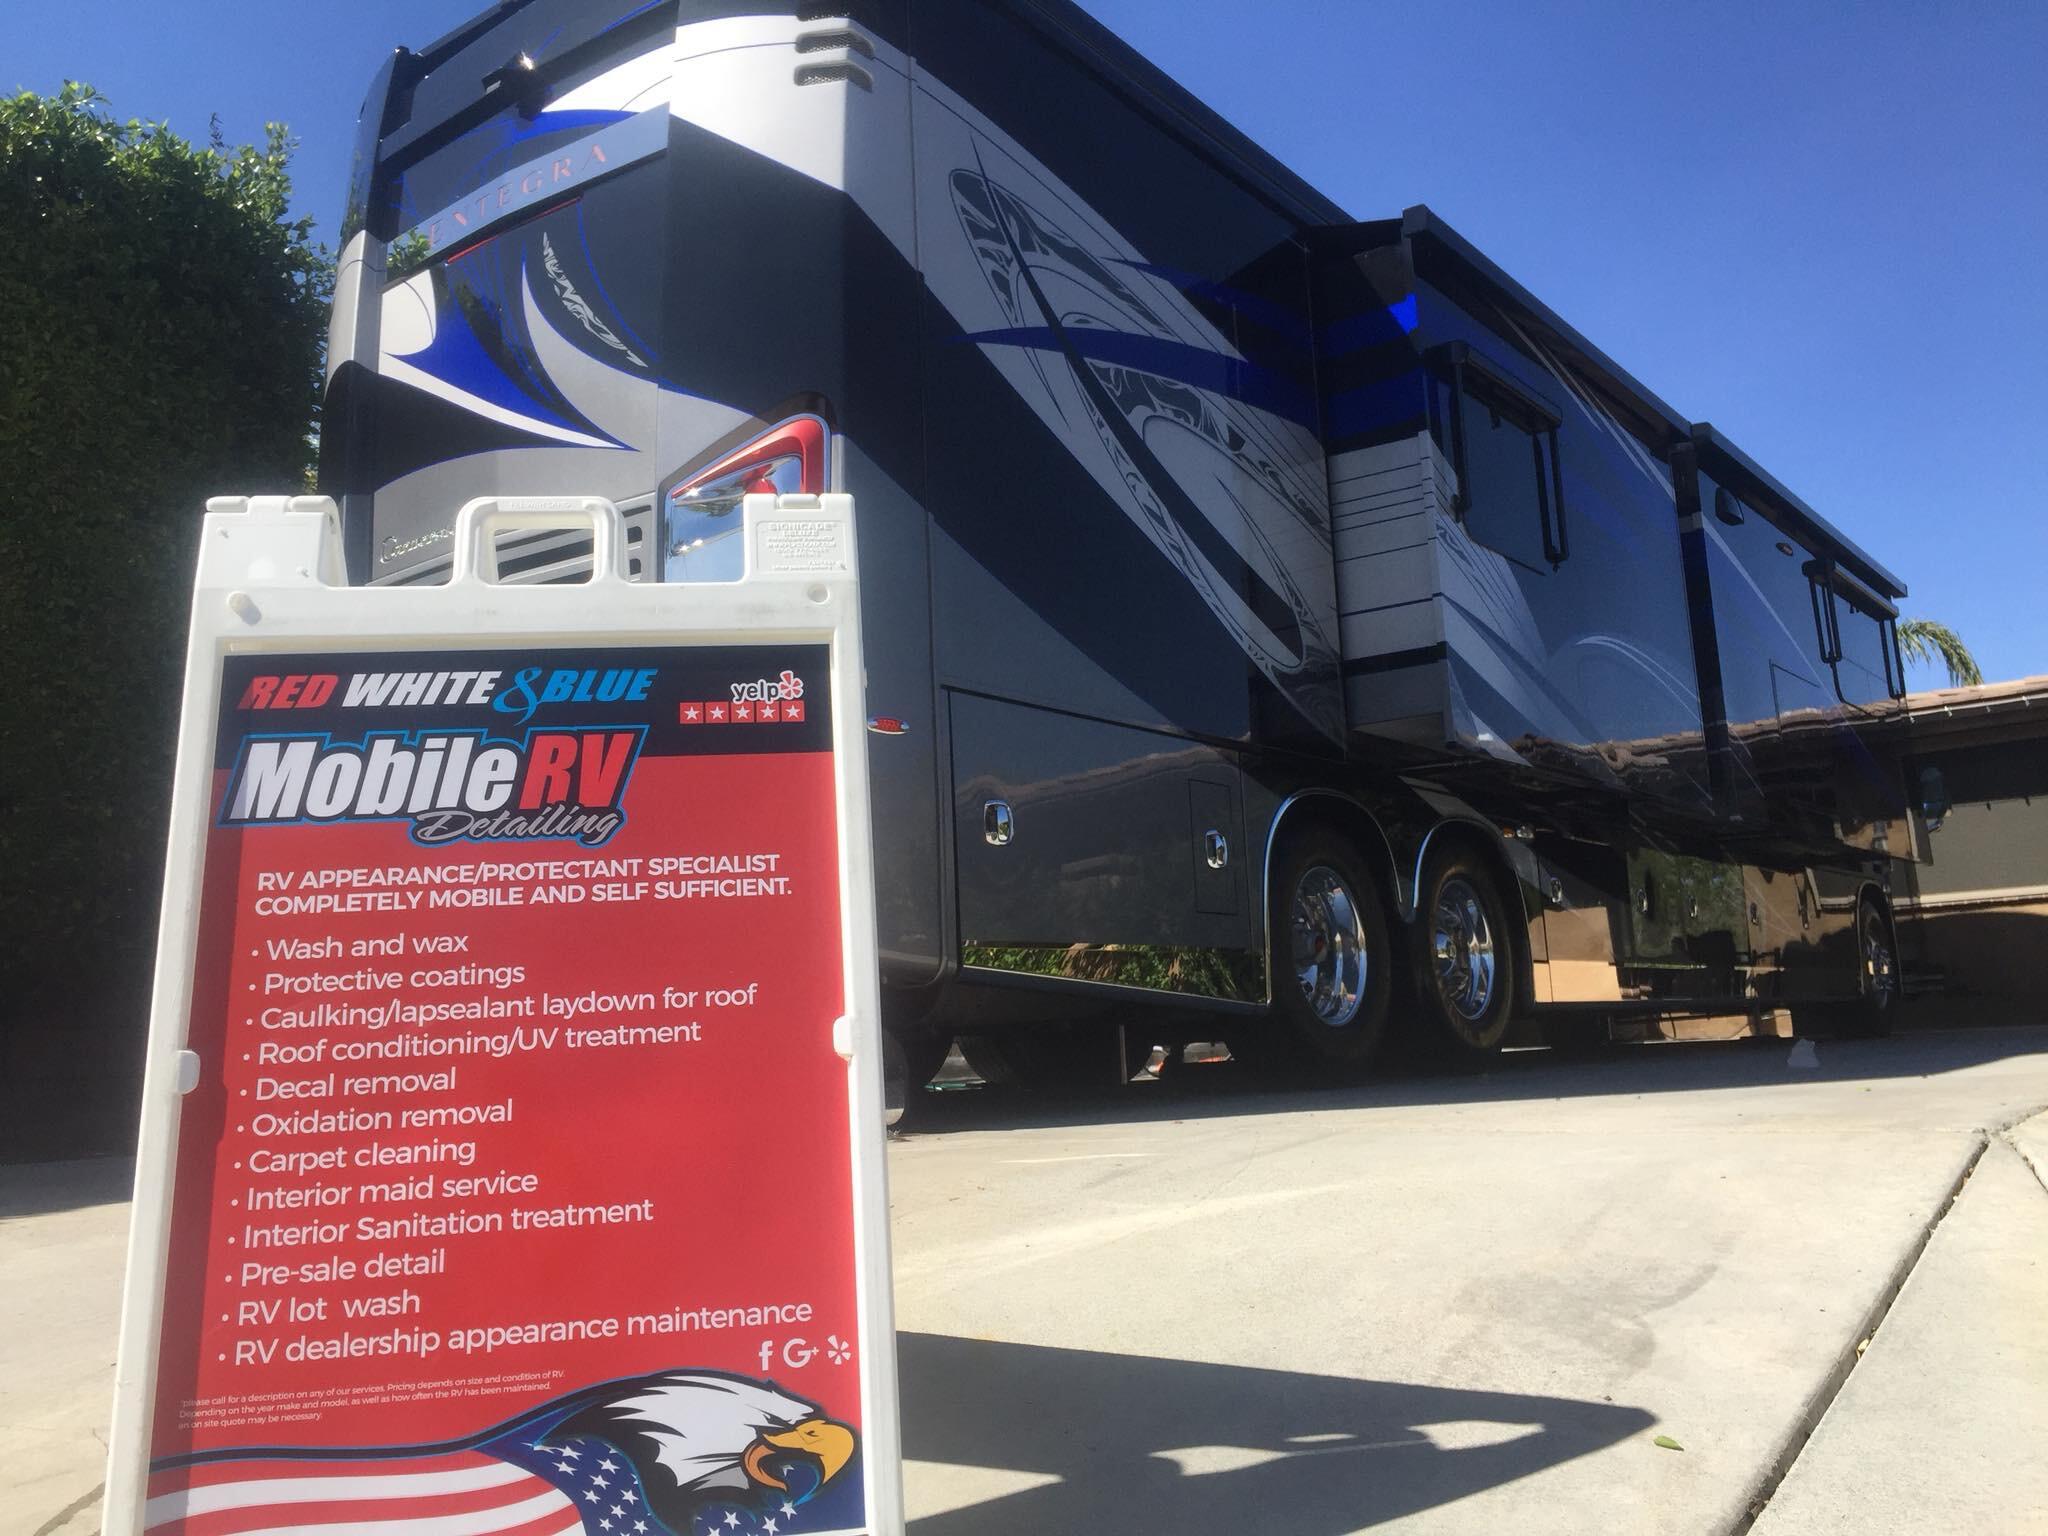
(1347, 816)
(1483, 843)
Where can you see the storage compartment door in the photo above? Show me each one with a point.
(1084, 851)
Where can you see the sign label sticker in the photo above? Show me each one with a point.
(517, 1190)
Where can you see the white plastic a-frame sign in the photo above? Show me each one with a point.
(511, 1153)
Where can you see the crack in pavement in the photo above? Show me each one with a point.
(76, 1506)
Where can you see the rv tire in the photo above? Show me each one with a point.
(1329, 956)
(1462, 958)
(1875, 1012)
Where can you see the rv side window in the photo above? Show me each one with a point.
(1773, 638)
(1507, 474)
(1865, 672)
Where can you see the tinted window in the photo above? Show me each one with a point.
(1505, 501)
(587, 37)
(1864, 669)
(1764, 613)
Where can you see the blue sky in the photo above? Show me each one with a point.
(1819, 226)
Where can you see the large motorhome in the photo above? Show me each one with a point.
(1267, 612)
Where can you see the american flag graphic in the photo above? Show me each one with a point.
(469, 1491)
(546, 1475)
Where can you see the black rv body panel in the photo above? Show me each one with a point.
(1509, 567)
(1193, 516)
(1537, 593)
(1808, 667)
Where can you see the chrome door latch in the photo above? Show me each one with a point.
(1216, 849)
(997, 825)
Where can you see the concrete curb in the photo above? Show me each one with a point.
(1944, 1428)
(1830, 1387)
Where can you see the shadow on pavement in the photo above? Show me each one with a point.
(1143, 1444)
(41, 1189)
(1199, 1092)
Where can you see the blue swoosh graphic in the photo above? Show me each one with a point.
(1196, 367)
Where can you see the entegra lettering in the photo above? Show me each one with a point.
(451, 785)
(514, 190)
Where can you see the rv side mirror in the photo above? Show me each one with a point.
(1934, 801)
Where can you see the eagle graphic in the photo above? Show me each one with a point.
(698, 1438)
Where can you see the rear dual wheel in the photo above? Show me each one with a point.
(1462, 958)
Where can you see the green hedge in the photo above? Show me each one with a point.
(162, 318)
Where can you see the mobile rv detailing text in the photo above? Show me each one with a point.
(513, 1005)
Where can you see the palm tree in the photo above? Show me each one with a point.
(1925, 640)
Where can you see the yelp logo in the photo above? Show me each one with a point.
(788, 686)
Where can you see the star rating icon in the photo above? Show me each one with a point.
(739, 711)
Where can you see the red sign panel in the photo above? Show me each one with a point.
(516, 1194)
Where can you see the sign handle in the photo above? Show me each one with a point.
(476, 551)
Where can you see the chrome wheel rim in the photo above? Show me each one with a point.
(1461, 940)
(1880, 973)
(1329, 946)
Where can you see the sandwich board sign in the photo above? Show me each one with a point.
(512, 1152)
